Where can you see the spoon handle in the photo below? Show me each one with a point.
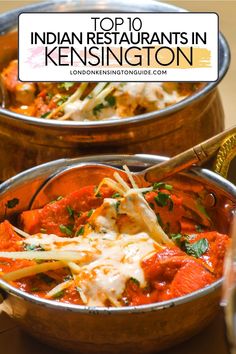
(194, 156)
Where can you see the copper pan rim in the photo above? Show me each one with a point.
(151, 5)
(96, 310)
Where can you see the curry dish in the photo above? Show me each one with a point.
(89, 101)
(115, 244)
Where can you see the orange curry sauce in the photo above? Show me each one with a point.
(170, 272)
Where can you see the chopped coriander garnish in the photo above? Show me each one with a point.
(177, 239)
(90, 212)
(168, 187)
(66, 229)
(162, 199)
(62, 100)
(198, 248)
(111, 100)
(151, 205)
(97, 109)
(70, 211)
(202, 209)
(10, 204)
(50, 95)
(135, 281)
(162, 185)
(195, 249)
(59, 294)
(158, 185)
(80, 231)
(67, 277)
(116, 195)
(44, 115)
(66, 85)
(33, 248)
(117, 205)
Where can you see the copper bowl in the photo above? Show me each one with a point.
(142, 329)
(38, 140)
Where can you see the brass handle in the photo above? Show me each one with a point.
(223, 143)
(225, 155)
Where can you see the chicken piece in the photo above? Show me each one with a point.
(70, 211)
(9, 239)
(189, 278)
(214, 256)
(25, 93)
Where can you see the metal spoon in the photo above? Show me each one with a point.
(92, 173)
(224, 143)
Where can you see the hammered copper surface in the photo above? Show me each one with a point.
(138, 333)
(25, 145)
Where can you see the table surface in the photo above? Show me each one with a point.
(212, 339)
